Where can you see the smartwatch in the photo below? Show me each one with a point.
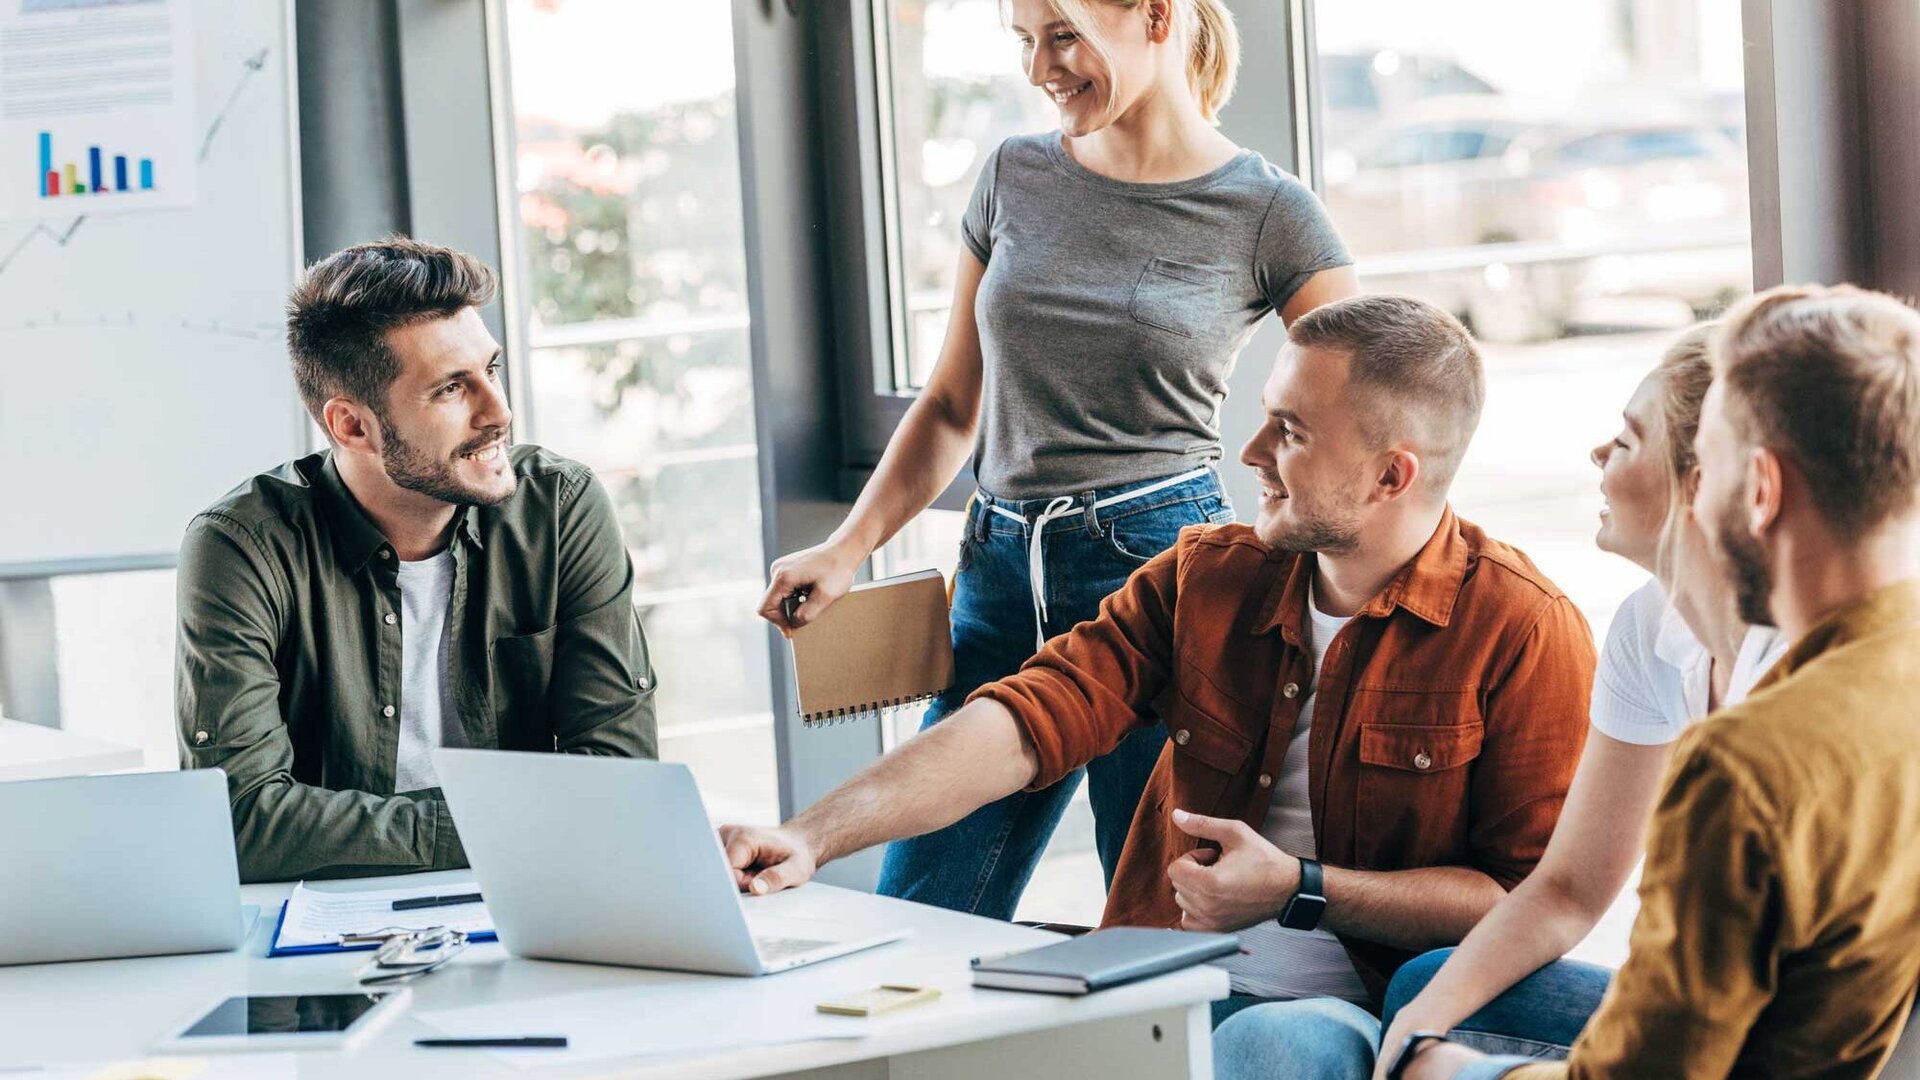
(1410, 1049)
(1309, 900)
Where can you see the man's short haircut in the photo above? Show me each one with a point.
(1414, 374)
(1829, 377)
(341, 310)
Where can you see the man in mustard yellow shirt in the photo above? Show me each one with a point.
(1779, 927)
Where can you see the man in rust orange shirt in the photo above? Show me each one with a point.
(1375, 709)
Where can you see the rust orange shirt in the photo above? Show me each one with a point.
(1450, 716)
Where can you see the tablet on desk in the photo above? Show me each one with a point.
(289, 1022)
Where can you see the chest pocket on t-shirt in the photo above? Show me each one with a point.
(1177, 297)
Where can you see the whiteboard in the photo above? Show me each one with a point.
(143, 370)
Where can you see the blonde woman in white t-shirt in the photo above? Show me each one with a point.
(1673, 655)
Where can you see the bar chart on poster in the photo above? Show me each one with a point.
(103, 93)
(149, 231)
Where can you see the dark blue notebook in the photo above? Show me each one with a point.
(1101, 959)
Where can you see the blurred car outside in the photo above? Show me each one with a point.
(1358, 88)
(1585, 200)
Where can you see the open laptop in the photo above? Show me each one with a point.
(139, 864)
(614, 861)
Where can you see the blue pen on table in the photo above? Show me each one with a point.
(548, 1042)
(417, 902)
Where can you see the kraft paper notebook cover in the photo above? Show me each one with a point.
(884, 644)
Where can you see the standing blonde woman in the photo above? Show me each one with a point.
(1113, 271)
(1677, 651)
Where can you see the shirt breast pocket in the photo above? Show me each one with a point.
(1416, 754)
(522, 668)
(1177, 297)
(1208, 756)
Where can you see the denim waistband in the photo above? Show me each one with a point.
(981, 518)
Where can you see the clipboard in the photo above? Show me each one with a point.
(414, 919)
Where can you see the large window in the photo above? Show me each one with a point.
(956, 89)
(1571, 179)
(629, 206)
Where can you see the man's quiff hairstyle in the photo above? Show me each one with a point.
(343, 307)
(1829, 378)
(1414, 374)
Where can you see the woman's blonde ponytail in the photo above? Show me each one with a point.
(1213, 55)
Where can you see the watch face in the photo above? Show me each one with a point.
(1303, 912)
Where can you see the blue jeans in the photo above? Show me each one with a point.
(1306, 1039)
(981, 863)
(1537, 1018)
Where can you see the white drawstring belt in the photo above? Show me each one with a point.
(1065, 506)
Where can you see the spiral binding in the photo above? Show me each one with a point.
(847, 713)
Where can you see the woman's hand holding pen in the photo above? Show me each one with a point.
(812, 579)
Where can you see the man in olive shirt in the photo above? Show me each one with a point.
(419, 584)
(1779, 927)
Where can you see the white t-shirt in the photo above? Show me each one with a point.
(1278, 962)
(1653, 675)
(426, 593)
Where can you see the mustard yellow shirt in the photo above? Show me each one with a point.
(1779, 927)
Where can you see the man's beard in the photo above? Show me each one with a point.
(1331, 534)
(411, 468)
(1744, 562)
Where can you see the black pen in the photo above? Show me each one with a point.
(792, 604)
(418, 902)
(547, 1042)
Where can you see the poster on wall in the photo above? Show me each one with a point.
(96, 107)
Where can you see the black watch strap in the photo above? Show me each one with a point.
(1309, 901)
(1313, 880)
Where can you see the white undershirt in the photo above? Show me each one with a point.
(1283, 963)
(426, 592)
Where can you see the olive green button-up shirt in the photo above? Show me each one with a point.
(288, 669)
(1779, 927)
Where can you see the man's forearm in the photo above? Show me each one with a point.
(1410, 909)
(966, 761)
(286, 831)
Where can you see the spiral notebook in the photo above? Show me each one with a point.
(885, 644)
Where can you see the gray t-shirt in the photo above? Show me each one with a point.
(1111, 313)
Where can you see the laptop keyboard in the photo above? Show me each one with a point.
(782, 948)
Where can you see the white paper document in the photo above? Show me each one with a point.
(322, 918)
(668, 1019)
(214, 1067)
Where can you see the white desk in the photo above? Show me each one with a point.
(1158, 1028)
(32, 752)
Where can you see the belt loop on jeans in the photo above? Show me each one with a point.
(977, 516)
(1062, 507)
(1092, 516)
